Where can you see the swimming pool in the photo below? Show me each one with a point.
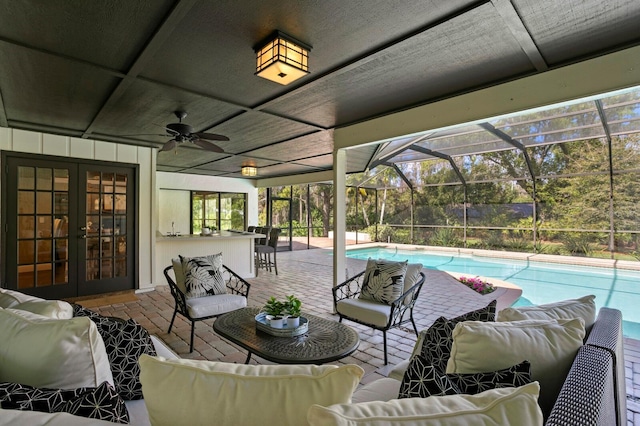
(540, 282)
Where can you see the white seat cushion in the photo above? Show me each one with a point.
(496, 407)
(192, 392)
(20, 417)
(201, 307)
(51, 353)
(365, 310)
(383, 389)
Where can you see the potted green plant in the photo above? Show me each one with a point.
(292, 308)
(275, 312)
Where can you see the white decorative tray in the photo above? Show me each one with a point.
(262, 324)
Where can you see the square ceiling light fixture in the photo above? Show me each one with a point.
(282, 58)
(249, 171)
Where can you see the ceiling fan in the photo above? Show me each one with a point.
(184, 133)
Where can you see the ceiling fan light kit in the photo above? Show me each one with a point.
(282, 58)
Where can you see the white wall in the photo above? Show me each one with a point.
(64, 146)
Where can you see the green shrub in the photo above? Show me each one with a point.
(445, 237)
(577, 244)
(384, 232)
(494, 240)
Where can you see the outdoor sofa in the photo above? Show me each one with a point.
(593, 392)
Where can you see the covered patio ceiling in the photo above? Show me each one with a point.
(117, 70)
(605, 116)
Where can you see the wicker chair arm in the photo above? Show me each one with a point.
(236, 283)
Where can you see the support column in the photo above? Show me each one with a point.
(339, 215)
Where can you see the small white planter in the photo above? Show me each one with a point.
(276, 322)
(293, 322)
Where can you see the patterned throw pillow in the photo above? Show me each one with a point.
(102, 402)
(512, 377)
(423, 379)
(203, 276)
(383, 280)
(125, 341)
(438, 340)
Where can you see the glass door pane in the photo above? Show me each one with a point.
(106, 209)
(42, 217)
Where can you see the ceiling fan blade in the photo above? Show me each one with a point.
(211, 136)
(208, 146)
(168, 146)
(143, 134)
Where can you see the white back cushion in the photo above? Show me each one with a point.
(10, 298)
(503, 406)
(56, 309)
(179, 274)
(549, 345)
(205, 392)
(51, 353)
(584, 307)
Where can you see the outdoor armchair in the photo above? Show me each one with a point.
(202, 308)
(379, 316)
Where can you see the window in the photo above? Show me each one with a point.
(218, 210)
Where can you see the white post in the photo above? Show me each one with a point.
(339, 215)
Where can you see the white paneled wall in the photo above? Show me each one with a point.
(149, 183)
(63, 146)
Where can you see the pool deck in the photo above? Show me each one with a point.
(308, 275)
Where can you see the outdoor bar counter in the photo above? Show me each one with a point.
(236, 248)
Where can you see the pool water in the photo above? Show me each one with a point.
(540, 282)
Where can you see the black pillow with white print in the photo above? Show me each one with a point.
(100, 403)
(124, 341)
(436, 347)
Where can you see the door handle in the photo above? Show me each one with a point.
(83, 228)
(83, 236)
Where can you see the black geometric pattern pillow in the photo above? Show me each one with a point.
(383, 281)
(203, 276)
(436, 347)
(511, 377)
(102, 403)
(125, 341)
(421, 379)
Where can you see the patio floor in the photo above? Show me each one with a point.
(308, 275)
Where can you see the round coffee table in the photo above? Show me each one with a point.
(325, 341)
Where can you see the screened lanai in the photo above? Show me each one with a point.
(558, 180)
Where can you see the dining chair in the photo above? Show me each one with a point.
(264, 252)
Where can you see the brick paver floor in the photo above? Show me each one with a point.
(308, 275)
